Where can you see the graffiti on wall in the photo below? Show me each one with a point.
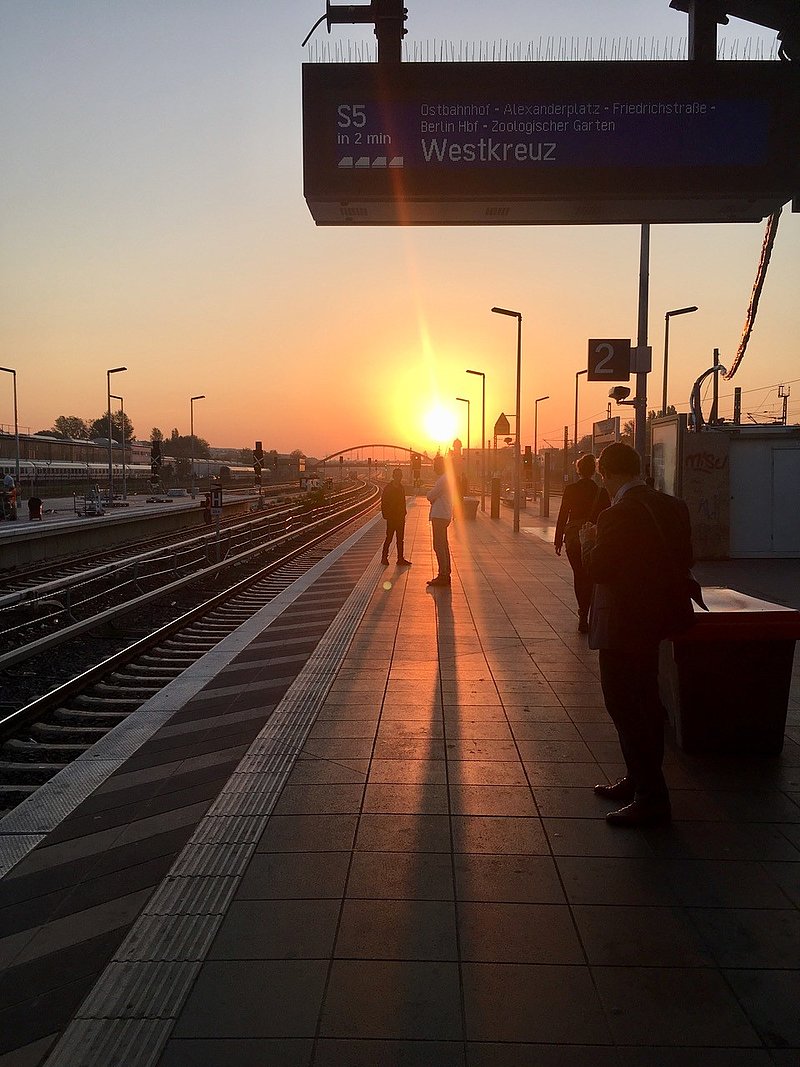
(706, 490)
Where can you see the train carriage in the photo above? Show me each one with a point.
(67, 476)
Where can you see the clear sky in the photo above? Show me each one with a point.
(152, 216)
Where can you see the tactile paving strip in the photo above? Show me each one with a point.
(154, 969)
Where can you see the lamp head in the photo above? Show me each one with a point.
(619, 393)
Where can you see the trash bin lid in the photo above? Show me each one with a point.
(735, 616)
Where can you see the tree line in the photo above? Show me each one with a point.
(79, 429)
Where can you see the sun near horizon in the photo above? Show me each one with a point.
(440, 424)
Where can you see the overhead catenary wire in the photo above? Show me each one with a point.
(758, 285)
(764, 390)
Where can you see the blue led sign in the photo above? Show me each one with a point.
(549, 142)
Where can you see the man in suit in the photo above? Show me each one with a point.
(638, 555)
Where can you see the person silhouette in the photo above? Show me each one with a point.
(393, 509)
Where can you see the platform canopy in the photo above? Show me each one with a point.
(516, 143)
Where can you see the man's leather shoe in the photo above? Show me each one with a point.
(623, 790)
(641, 813)
(439, 581)
(404, 563)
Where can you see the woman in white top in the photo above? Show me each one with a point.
(441, 516)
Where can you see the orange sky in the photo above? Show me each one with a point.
(153, 217)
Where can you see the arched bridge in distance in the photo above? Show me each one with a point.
(375, 455)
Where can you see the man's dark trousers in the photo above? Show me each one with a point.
(440, 546)
(630, 688)
(394, 528)
(581, 582)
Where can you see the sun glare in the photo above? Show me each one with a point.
(440, 425)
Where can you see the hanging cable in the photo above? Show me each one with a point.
(311, 31)
(758, 285)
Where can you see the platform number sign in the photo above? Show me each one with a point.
(609, 359)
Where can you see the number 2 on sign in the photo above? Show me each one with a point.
(602, 366)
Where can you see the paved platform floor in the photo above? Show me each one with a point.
(433, 881)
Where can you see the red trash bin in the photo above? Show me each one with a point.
(725, 682)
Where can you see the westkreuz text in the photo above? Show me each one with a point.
(487, 150)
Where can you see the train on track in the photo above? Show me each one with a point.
(229, 475)
(49, 475)
(226, 474)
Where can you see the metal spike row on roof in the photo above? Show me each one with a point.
(545, 49)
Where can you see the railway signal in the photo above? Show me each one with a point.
(416, 469)
(258, 461)
(156, 459)
(527, 467)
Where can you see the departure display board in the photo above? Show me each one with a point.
(511, 143)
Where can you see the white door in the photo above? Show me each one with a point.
(751, 498)
(786, 501)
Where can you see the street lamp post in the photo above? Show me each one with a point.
(667, 317)
(114, 370)
(575, 436)
(518, 316)
(191, 442)
(482, 376)
(536, 404)
(13, 374)
(122, 427)
(465, 400)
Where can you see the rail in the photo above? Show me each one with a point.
(251, 528)
(235, 553)
(15, 720)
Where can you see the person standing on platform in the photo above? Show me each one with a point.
(441, 515)
(393, 509)
(582, 502)
(638, 555)
(9, 497)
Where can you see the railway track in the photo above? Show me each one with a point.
(92, 674)
(26, 577)
(50, 601)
